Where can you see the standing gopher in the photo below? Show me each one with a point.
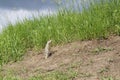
(47, 49)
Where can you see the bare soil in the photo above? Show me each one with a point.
(91, 59)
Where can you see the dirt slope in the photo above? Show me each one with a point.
(91, 59)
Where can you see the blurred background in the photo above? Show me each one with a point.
(16, 10)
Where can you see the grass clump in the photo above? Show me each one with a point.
(108, 78)
(97, 21)
(56, 75)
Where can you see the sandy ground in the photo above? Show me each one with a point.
(93, 59)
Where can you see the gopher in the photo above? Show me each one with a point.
(47, 49)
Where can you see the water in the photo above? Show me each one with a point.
(12, 11)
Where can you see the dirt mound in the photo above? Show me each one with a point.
(90, 59)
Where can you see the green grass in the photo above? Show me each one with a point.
(54, 75)
(10, 78)
(96, 22)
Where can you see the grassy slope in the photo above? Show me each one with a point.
(98, 21)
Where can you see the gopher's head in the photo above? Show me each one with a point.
(49, 41)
